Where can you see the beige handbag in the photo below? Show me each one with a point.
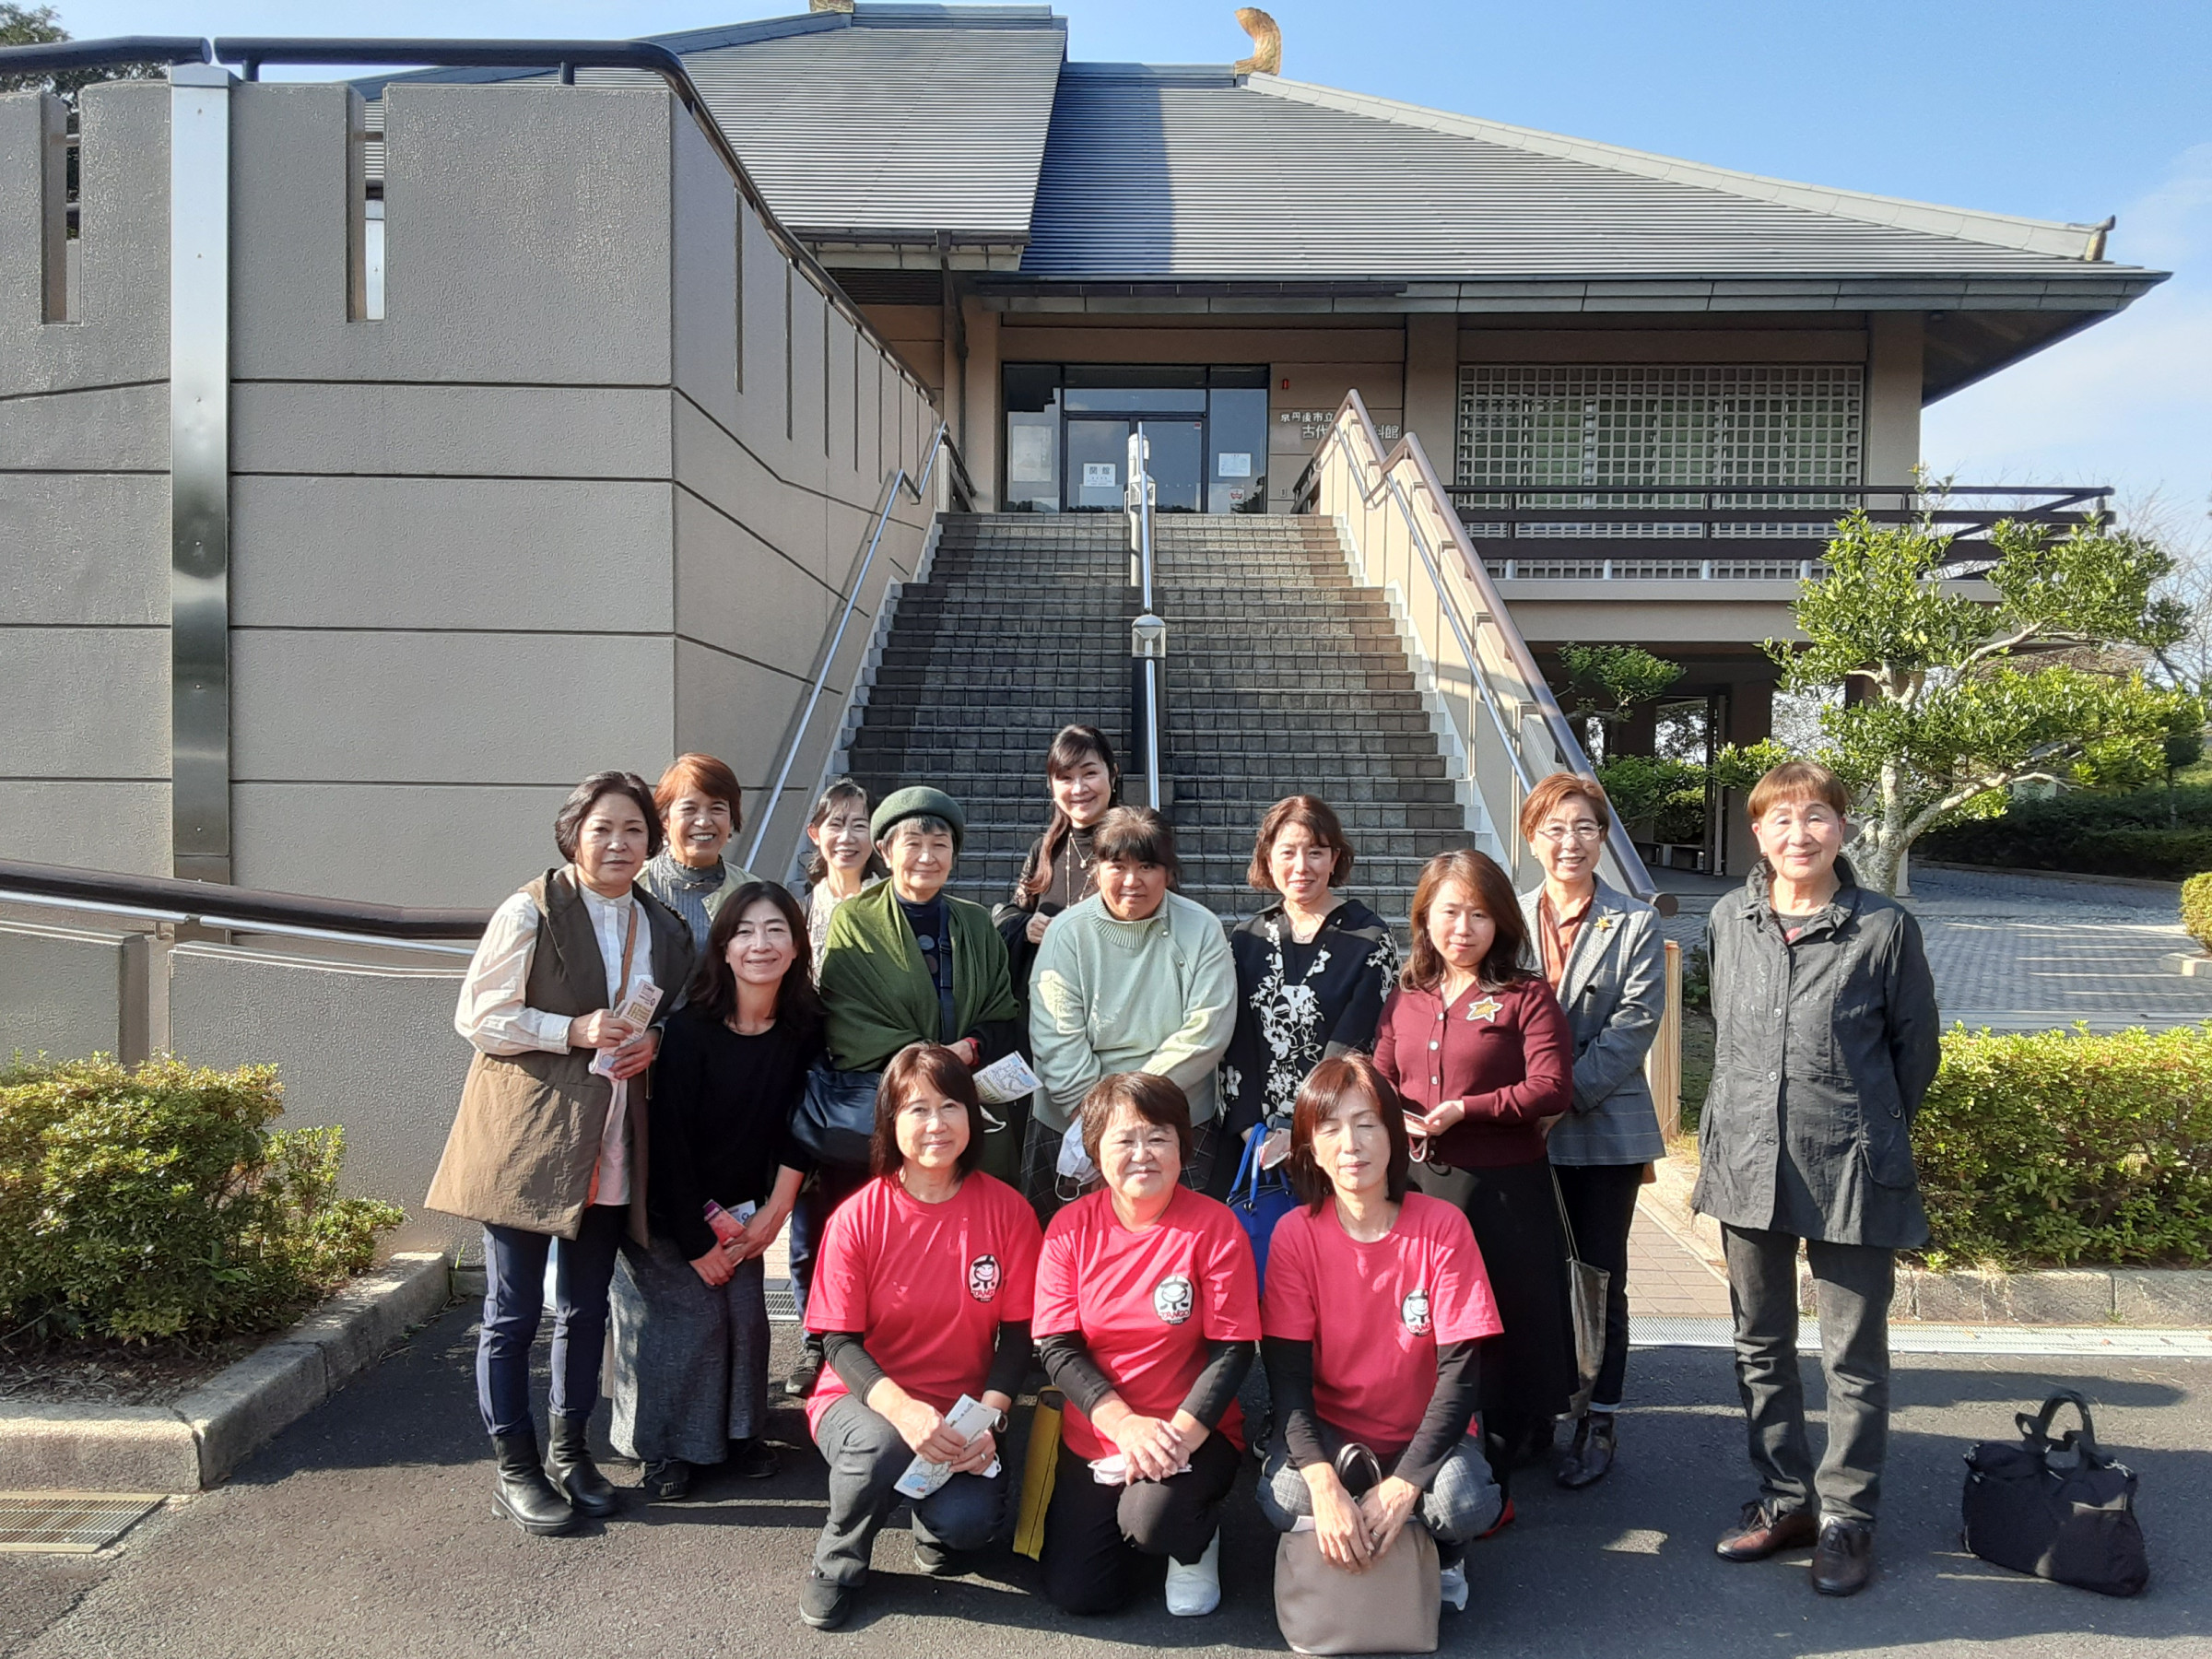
(1389, 1608)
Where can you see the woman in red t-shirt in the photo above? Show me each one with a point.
(921, 1294)
(1480, 1049)
(1376, 1310)
(1147, 1311)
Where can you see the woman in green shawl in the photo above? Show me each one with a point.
(907, 962)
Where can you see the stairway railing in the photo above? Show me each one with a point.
(1148, 634)
(960, 491)
(1408, 536)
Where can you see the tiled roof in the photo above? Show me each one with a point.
(1191, 172)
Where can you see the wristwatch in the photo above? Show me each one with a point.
(999, 1421)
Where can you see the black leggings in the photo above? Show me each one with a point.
(1601, 1205)
(1093, 1534)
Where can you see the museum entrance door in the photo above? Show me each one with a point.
(1098, 461)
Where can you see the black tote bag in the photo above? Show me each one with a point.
(2072, 1522)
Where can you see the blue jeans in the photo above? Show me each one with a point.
(514, 1297)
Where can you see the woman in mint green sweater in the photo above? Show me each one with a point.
(1134, 979)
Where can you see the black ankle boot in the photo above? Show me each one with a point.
(524, 1494)
(1591, 1456)
(569, 1463)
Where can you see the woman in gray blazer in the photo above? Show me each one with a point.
(1602, 952)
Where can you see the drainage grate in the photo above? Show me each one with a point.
(1910, 1336)
(69, 1522)
(782, 1306)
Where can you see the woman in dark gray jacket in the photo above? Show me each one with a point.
(1826, 1039)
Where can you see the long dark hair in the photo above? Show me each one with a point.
(1479, 873)
(715, 987)
(916, 1067)
(817, 867)
(1075, 745)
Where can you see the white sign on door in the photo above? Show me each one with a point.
(1237, 464)
(1099, 474)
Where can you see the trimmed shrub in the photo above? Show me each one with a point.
(2149, 832)
(2051, 1149)
(2196, 909)
(152, 1201)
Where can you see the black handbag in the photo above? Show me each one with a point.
(2073, 1523)
(835, 1119)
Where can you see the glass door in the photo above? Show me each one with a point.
(1177, 464)
(1098, 461)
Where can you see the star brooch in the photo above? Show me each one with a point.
(1488, 1008)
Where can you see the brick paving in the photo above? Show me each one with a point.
(1666, 1279)
(2027, 952)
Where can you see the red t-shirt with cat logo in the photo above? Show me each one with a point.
(1376, 1313)
(1149, 1304)
(925, 1286)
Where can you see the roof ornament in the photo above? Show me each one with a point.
(1267, 43)
(2095, 251)
(831, 6)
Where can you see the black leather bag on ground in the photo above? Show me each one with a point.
(835, 1120)
(2073, 1523)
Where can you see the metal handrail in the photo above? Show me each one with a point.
(1408, 455)
(941, 444)
(248, 909)
(1138, 498)
(1516, 509)
(564, 57)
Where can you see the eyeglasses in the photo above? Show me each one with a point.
(1584, 830)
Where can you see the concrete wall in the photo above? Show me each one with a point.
(590, 493)
(372, 1049)
(64, 991)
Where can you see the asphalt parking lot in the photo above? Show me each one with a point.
(366, 1528)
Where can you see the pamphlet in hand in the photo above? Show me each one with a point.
(969, 1418)
(1006, 1080)
(636, 1010)
(729, 1225)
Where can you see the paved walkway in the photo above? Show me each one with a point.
(367, 1530)
(2021, 951)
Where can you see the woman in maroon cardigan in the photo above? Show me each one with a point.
(1480, 1050)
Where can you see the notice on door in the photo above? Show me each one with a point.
(1100, 475)
(1237, 464)
(1030, 454)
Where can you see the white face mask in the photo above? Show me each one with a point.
(1075, 1163)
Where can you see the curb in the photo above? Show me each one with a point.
(198, 1439)
(2140, 1298)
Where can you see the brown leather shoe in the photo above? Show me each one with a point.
(1843, 1559)
(1766, 1530)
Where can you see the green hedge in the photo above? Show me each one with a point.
(2150, 832)
(153, 1202)
(2052, 1148)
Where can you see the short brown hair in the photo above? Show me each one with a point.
(699, 774)
(1545, 798)
(568, 823)
(1799, 781)
(1137, 835)
(916, 1067)
(1313, 815)
(1154, 1099)
(1477, 871)
(1327, 1087)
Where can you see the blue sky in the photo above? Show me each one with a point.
(2057, 109)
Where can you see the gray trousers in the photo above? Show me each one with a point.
(866, 1457)
(1461, 1502)
(1852, 1286)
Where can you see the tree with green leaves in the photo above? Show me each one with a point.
(1956, 707)
(1608, 682)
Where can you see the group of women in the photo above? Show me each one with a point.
(1444, 1125)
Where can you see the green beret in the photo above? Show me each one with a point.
(919, 801)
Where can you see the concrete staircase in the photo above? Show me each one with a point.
(1284, 676)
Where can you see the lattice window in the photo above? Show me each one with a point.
(1577, 435)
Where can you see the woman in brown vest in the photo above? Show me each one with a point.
(548, 1149)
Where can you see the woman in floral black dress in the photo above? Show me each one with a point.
(1312, 971)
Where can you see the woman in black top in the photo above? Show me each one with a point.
(690, 1311)
(1312, 971)
(1060, 870)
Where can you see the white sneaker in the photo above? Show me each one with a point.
(1195, 1590)
(1453, 1583)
